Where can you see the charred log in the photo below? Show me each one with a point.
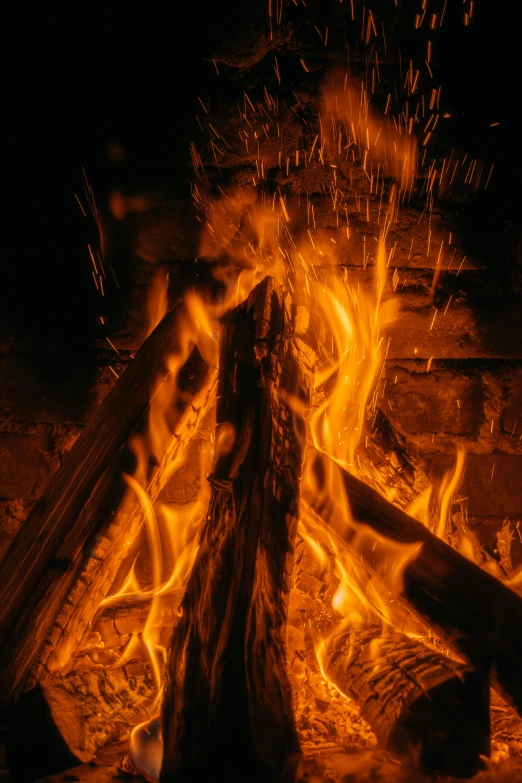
(474, 613)
(99, 705)
(63, 561)
(417, 701)
(228, 706)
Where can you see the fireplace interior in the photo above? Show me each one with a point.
(261, 440)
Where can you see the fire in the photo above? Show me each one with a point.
(171, 531)
(347, 119)
(248, 235)
(352, 346)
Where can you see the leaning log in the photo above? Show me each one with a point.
(227, 708)
(475, 614)
(417, 701)
(66, 555)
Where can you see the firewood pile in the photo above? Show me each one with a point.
(240, 690)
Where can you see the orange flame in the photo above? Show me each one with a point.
(347, 119)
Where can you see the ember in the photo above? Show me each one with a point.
(247, 566)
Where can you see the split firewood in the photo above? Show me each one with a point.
(91, 707)
(65, 557)
(417, 701)
(472, 612)
(227, 707)
(109, 684)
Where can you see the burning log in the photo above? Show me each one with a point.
(417, 701)
(228, 706)
(65, 558)
(471, 611)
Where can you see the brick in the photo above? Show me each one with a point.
(453, 335)
(486, 529)
(438, 401)
(412, 241)
(26, 465)
(500, 324)
(491, 483)
(52, 387)
(512, 413)
(482, 327)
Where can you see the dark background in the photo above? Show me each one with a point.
(76, 76)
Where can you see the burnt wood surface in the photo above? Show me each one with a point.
(475, 614)
(66, 555)
(227, 710)
(417, 701)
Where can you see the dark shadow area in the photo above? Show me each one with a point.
(108, 86)
(34, 745)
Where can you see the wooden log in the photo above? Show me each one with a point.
(104, 642)
(95, 706)
(417, 701)
(67, 553)
(227, 709)
(475, 614)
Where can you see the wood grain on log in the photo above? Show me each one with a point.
(67, 553)
(417, 701)
(227, 708)
(474, 613)
(98, 705)
(113, 627)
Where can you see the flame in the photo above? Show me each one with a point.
(172, 542)
(448, 487)
(147, 748)
(353, 322)
(419, 508)
(347, 119)
(171, 532)
(434, 509)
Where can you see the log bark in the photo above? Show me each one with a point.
(67, 553)
(475, 614)
(417, 701)
(227, 708)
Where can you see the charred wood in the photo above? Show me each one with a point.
(417, 701)
(472, 612)
(99, 705)
(228, 705)
(65, 557)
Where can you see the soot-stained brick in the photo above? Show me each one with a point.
(491, 483)
(434, 402)
(26, 465)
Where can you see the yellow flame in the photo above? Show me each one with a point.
(448, 487)
(171, 532)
